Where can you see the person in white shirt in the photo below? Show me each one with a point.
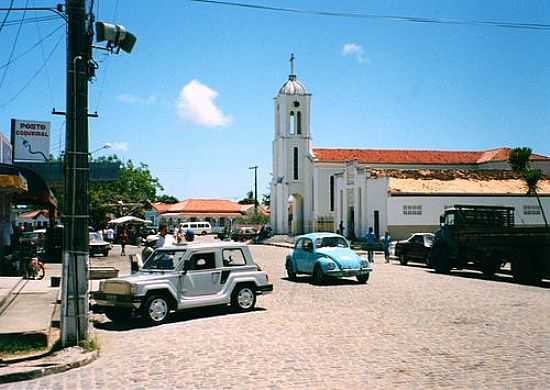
(164, 239)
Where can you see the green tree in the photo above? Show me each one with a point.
(266, 199)
(167, 199)
(249, 198)
(129, 194)
(519, 161)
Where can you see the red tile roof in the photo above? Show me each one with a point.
(407, 156)
(199, 206)
(33, 214)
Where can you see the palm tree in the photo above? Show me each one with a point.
(519, 161)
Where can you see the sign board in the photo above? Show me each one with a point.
(30, 140)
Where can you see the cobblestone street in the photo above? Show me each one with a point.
(407, 328)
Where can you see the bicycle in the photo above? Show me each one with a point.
(35, 269)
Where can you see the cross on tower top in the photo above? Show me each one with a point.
(292, 64)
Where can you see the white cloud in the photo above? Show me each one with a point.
(196, 104)
(119, 146)
(355, 50)
(128, 98)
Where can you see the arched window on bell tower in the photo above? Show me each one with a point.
(292, 123)
(299, 123)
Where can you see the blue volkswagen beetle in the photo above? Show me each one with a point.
(325, 254)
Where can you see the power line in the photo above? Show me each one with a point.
(14, 22)
(40, 40)
(27, 51)
(393, 18)
(6, 16)
(14, 45)
(44, 64)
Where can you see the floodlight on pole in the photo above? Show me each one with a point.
(106, 146)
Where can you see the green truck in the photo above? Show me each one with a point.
(487, 238)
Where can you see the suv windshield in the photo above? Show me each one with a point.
(95, 237)
(164, 260)
(331, 242)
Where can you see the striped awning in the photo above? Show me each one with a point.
(13, 183)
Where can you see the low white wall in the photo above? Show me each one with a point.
(433, 207)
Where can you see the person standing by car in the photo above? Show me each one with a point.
(123, 238)
(371, 242)
(387, 240)
(164, 239)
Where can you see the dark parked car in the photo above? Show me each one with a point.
(98, 245)
(416, 247)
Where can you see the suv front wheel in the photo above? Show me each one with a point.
(156, 309)
(243, 298)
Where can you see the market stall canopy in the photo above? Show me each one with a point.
(27, 186)
(128, 219)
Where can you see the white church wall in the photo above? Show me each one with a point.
(323, 194)
(376, 200)
(422, 212)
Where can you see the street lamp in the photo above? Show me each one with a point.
(106, 146)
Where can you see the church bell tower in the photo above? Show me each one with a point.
(292, 159)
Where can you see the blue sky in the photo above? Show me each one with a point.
(195, 98)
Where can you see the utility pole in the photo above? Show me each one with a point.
(255, 167)
(74, 315)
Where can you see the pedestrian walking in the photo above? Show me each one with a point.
(123, 238)
(371, 242)
(387, 240)
(341, 228)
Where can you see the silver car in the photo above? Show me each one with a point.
(185, 276)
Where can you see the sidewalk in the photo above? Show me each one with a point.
(26, 311)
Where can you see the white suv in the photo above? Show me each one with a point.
(185, 276)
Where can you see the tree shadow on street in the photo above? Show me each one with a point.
(180, 316)
(503, 276)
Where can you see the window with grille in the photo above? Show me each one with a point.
(531, 209)
(412, 210)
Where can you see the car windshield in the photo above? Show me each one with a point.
(429, 239)
(331, 242)
(163, 260)
(95, 237)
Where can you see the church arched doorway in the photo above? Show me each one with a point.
(296, 214)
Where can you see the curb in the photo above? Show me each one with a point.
(33, 373)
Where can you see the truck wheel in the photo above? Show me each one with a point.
(527, 270)
(318, 277)
(440, 260)
(106, 253)
(403, 259)
(363, 278)
(243, 298)
(490, 266)
(155, 309)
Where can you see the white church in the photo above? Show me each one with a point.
(399, 191)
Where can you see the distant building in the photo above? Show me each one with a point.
(218, 212)
(403, 191)
(38, 219)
